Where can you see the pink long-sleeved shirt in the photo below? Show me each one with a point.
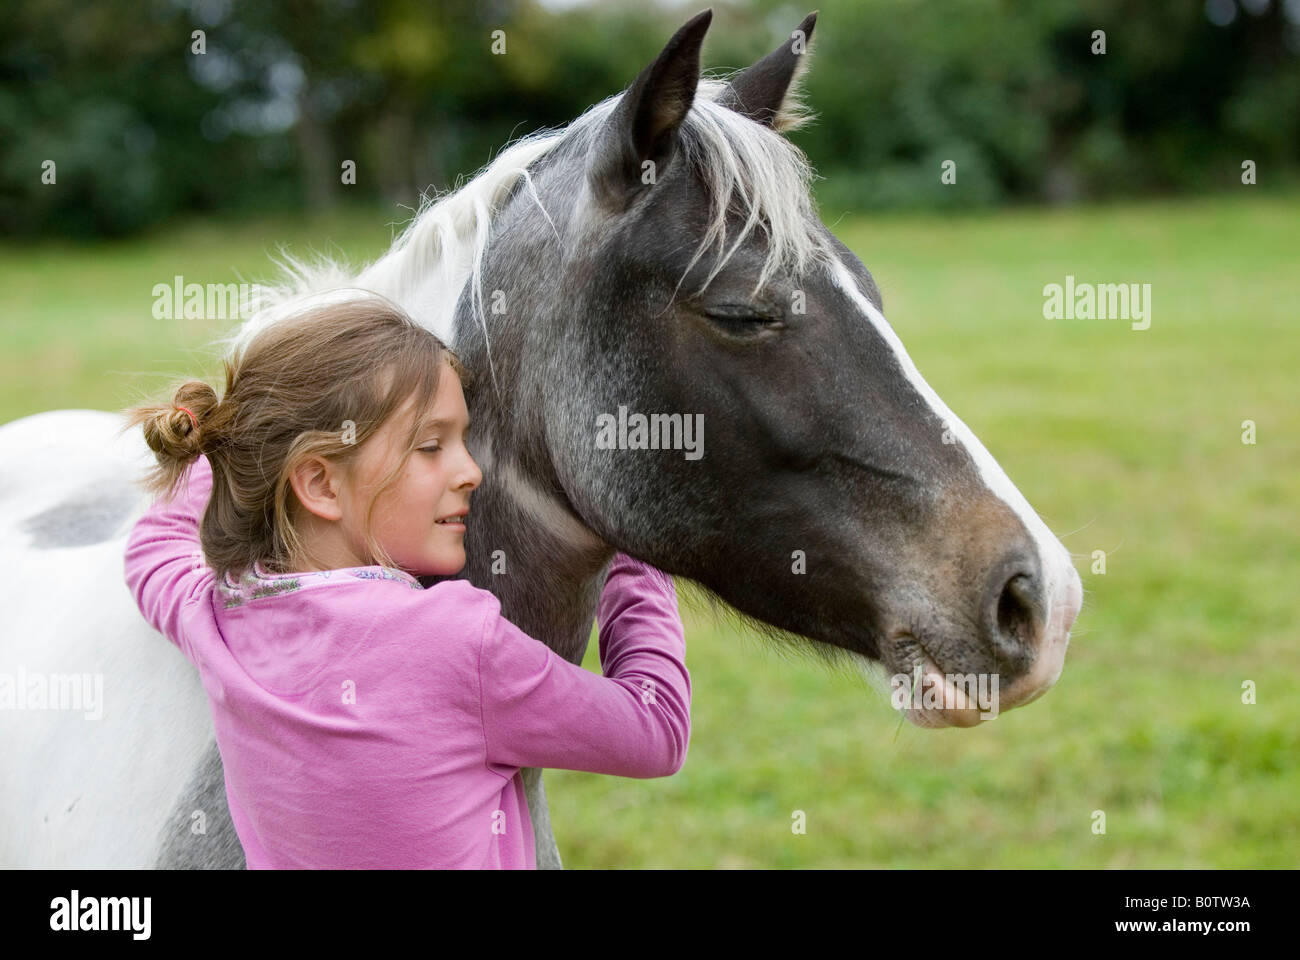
(367, 722)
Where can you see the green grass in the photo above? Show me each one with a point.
(79, 329)
(1125, 441)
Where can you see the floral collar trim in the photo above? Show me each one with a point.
(259, 582)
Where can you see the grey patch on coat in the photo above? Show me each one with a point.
(92, 515)
(219, 847)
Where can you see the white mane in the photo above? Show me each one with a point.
(747, 167)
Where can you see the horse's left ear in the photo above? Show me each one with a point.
(640, 138)
(768, 91)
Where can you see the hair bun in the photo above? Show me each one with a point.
(176, 432)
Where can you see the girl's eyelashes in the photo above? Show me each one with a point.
(435, 448)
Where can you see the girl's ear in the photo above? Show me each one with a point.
(317, 483)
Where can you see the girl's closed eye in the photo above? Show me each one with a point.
(435, 445)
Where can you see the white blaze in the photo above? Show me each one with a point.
(1055, 558)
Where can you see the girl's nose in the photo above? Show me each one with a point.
(474, 476)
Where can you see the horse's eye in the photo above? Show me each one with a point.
(742, 318)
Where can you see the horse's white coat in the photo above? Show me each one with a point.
(80, 792)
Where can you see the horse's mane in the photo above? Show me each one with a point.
(746, 166)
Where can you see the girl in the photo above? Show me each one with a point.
(363, 720)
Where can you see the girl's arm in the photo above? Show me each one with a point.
(539, 710)
(164, 563)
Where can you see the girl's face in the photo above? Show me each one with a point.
(435, 484)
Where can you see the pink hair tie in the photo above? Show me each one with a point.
(192, 417)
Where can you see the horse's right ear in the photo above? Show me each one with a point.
(640, 137)
(768, 92)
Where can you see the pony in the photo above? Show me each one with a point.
(659, 254)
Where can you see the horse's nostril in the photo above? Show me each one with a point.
(1016, 606)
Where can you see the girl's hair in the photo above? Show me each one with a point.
(307, 385)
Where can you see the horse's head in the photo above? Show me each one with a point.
(834, 497)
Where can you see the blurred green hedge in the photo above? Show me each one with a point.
(141, 127)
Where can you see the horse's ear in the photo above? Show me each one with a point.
(768, 91)
(640, 137)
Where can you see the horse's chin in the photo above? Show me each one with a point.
(931, 700)
(927, 696)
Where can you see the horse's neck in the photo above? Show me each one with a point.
(540, 562)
